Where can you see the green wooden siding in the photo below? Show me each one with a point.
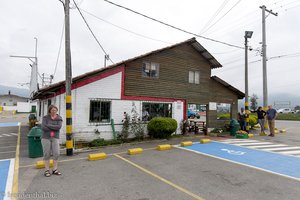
(172, 82)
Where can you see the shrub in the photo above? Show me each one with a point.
(252, 120)
(125, 128)
(101, 142)
(161, 127)
(137, 126)
(224, 116)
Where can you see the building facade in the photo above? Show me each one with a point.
(164, 82)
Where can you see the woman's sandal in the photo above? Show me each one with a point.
(47, 173)
(56, 172)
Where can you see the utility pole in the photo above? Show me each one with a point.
(264, 54)
(69, 135)
(248, 34)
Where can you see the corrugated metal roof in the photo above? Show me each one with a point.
(213, 62)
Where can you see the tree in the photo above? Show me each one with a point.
(137, 126)
(125, 128)
(253, 100)
(297, 108)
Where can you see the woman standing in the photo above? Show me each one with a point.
(261, 118)
(51, 125)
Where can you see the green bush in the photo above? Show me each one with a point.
(252, 120)
(289, 116)
(101, 142)
(161, 127)
(224, 116)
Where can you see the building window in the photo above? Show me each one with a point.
(156, 110)
(100, 111)
(150, 69)
(194, 77)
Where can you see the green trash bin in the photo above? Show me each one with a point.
(35, 148)
(234, 127)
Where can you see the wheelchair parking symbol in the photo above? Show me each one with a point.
(233, 152)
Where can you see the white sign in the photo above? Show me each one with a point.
(212, 106)
(233, 152)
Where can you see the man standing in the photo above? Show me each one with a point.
(271, 116)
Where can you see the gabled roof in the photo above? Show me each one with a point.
(240, 94)
(193, 42)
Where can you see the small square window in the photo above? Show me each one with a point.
(194, 77)
(150, 69)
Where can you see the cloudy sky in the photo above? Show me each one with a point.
(124, 35)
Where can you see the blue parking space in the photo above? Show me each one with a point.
(6, 174)
(9, 124)
(272, 162)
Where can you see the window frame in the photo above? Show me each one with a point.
(194, 77)
(165, 108)
(92, 118)
(149, 74)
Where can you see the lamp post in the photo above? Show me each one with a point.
(248, 34)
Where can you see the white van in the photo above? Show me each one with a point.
(285, 110)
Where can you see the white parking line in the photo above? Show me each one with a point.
(290, 152)
(283, 148)
(6, 134)
(14, 134)
(239, 141)
(255, 143)
(263, 147)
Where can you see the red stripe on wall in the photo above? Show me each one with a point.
(89, 80)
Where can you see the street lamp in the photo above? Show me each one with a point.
(248, 34)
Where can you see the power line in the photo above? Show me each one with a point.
(174, 27)
(138, 34)
(58, 54)
(214, 16)
(225, 69)
(223, 15)
(106, 55)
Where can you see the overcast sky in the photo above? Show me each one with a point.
(124, 35)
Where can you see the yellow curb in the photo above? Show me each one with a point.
(186, 143)
(163, 147)
(41, 164)
(135, 151)
(205, 141)
(97, 156)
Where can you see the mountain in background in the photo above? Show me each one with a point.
(13, 90)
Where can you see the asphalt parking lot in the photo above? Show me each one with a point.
(172, 174)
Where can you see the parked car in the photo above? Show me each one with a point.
(285, 110)
(298, 112)
(193, 114)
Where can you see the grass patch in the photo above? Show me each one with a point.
(290, 116)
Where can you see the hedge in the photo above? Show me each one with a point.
(161, 127)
